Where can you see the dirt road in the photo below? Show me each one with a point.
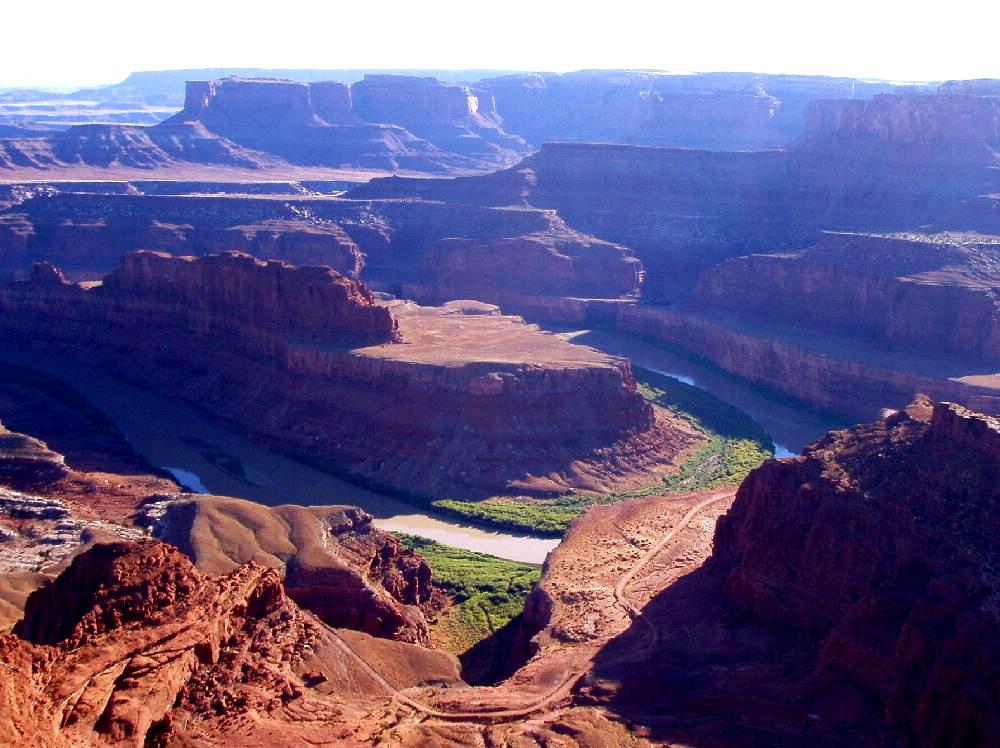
(565, 685)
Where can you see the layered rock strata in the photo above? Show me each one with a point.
(896, 163)
(881, 542)
(438, 251)
(332, 559)
(88, 234)
(833, 374)
(131, 645)
(725, 111)
(933, 294)
(468, 405)
(385, 122)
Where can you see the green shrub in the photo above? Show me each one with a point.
(489, 592)
(736, 445)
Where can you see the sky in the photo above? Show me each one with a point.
(67, 43)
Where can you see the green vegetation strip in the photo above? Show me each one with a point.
(488, 591)
(736, 445)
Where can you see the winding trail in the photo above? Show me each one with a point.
(621, 599)
(564, 687)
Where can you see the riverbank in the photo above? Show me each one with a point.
(742, 426)
(732, 445)
(174, 436)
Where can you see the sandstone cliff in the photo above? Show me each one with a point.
(531, 252)
(896, 163)
(509, 271)
(881, 541)
(827, 372)
(333, 560)
(468, 405)
(932, 294)
(679, 210)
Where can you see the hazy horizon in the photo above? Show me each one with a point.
(101, 43)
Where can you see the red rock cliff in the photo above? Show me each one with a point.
(923, 293)
(133, 646)
(469, 405)
(881, 541)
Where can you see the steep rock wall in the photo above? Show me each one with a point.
(879, 540)
(89, 233)
(467, 405)
(925, 294)
(826, 378)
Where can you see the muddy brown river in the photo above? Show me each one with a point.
(208, 458)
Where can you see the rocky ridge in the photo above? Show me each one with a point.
(880, 541)
(332, 559)
(937, 293)
(434, 250)
(183, 656)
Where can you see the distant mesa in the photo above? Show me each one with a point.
(384, 122)
(352, 119)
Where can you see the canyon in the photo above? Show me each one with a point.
(881, 296)
(457, 401)
(500, 298)
(771, 264)
(806, 606)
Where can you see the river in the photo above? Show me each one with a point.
(209, 458)
(789, 426)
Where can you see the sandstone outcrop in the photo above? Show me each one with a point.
(510, 271)
(468, 405)
(132, 645)
(333, 560)
(27, 462)
(948, 126)
(880, 541)
(50, 512)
